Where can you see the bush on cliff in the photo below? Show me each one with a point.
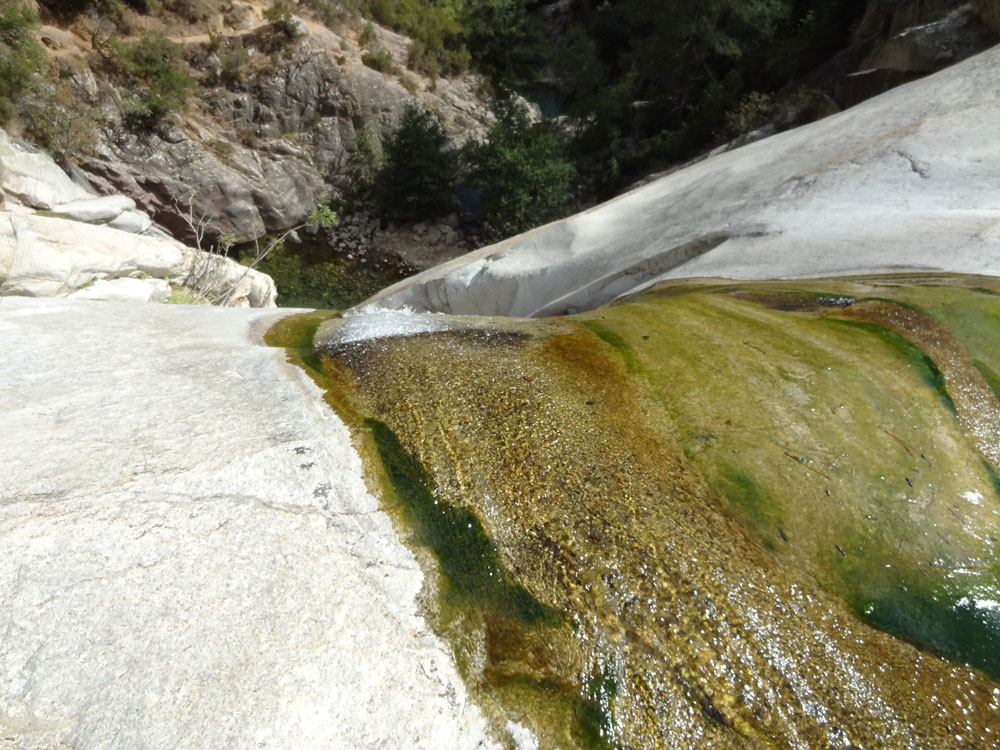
(22, 59)
(151, 65)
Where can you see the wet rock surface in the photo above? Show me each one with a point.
(733, 497)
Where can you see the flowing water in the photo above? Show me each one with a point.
(728, 516)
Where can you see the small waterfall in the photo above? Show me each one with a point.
(715, 516)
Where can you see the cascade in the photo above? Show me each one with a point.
(758, 514)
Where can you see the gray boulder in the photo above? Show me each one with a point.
(933, 46)
(136, 222)
(125, 290)
(42, 256)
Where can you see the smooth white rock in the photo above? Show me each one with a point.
(33, 178)
(906, 181)
(124, 290)
(42, 256)
(132, 221)
(95, 210)
(189, 557)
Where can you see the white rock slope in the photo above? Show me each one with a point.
(909, 180)
(188, 555)
(82, 239)
(42, 256)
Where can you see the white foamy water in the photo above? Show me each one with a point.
(973, 496)
(374, 323)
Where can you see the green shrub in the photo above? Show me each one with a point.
(379, 60)
(417, 179)
(367, 158)
(22, 59)
(59, 122)
(151, 66)
(329, 12)
(279, 15)
(523, 169)
(233, 60)
(435, 26)
(754, 111)
(194, 11)
(409, 83)
(367, 35)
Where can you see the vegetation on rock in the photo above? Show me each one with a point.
(152, 66)
(22, 59)
(738, 496)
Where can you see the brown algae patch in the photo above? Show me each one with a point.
(624, 471)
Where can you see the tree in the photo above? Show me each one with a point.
(417, 178)
(506, 43)
(523, 169)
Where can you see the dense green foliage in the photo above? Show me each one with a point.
(649, 83)
(438, 43)
(151, 65)
(22, 59)
(416, 180)
(657, 80)
(523, 169)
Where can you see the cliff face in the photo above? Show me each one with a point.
(272, 123)
(57, 238)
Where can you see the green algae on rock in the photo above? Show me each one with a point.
(895, 507)
(674, 476)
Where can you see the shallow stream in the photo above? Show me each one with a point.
(717, 515)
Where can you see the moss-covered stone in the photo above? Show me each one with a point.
(717, 487)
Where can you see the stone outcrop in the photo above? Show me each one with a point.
(247, 191)
(190, 555)
(32, 178)
(933, 46)
(896, 42)
(268, 141)
(125, 289)
(42, 256)
(95, 210)
(99, 247)
(888, 185)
